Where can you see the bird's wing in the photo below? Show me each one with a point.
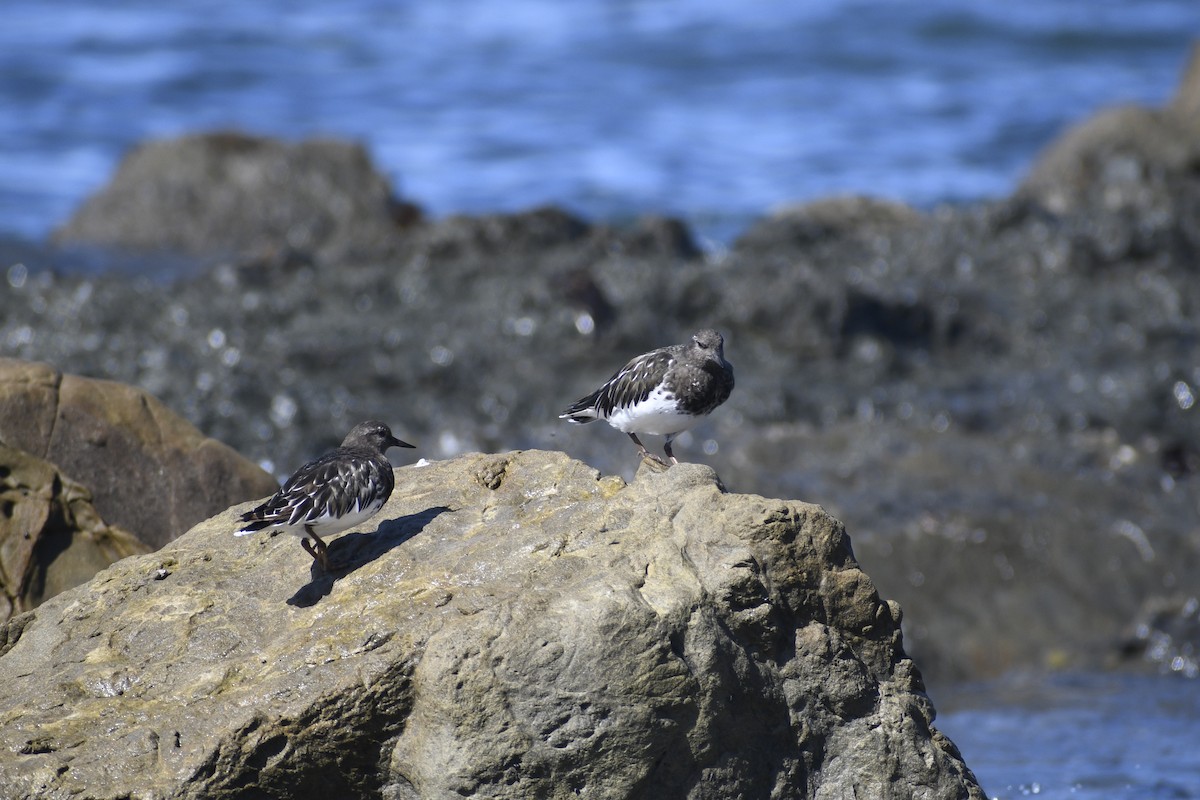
(632, 383)
(319, 489)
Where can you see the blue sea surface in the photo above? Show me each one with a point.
(1079, 737)
(712, 111)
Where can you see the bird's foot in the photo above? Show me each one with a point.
(654, 459)
(318, 553)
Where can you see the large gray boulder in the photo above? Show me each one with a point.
(509, 626)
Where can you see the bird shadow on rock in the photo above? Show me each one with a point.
(355, 550)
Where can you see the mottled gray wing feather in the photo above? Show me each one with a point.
(629, 385)
(324, 485)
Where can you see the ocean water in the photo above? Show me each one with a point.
(1079, 737)
(711, 111)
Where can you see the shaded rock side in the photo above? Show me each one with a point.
(51, 537)
(508, 626)
(148, 470)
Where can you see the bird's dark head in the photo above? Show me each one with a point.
(709, 343)
(373, 433)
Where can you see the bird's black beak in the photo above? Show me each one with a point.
(394, 442)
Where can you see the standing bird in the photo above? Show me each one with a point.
(343, 488)
(663, 392)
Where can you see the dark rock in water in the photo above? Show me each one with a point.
(659, 236)
(461, 236)
(1123, 159)
(1126, 160)
(509, 626)
(233, 192)
(1167, 633)
(51, 537)
(147, 469)
(808, 224)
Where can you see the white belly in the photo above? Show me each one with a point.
(655, 415)
(327, 526)
(323, 525)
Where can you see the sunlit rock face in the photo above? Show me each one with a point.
(508, 626)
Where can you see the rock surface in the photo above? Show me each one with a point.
(148, 470)
(51, 537)
(509, 626)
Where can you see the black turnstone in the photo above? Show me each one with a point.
(663, 392)
(341, 489)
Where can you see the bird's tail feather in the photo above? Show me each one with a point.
(253, 525)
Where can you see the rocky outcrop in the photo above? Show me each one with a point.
(1123, 158)
(237, 192)
(51, 537)
(1128, 159)
(148, 470)
(509, 626)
